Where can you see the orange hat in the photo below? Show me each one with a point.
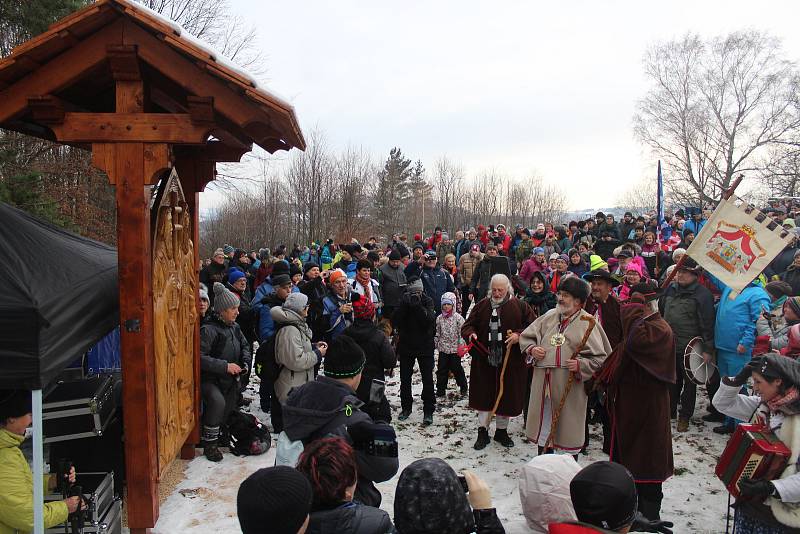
(335, 275)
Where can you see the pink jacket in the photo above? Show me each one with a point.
(531, 266)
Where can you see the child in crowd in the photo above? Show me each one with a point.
(447, 338)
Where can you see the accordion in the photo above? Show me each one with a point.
(753, 451)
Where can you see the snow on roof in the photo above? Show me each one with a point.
(206, 48)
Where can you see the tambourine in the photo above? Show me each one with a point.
(697, 369)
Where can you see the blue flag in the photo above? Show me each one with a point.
(660, 206)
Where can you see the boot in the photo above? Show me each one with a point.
(713, 418)
(405, 414)
(501, 436)
(464, 391)
(683, 424)
(212, 452)
(427, 419)
(724, 429)
(483, 439)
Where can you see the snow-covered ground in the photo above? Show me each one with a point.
(694, 498)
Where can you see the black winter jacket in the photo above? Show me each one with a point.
(329, 408)
(350, 518)
(415, 320)
(393, 285)
(380, 354)
(221, 344)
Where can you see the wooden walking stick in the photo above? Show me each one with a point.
(502, 377)
(557, 414)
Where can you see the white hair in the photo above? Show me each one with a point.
(502, 279)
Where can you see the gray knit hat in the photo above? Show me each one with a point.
(203, 291)
(224, 299)
(295, 302)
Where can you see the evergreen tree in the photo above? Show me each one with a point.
(393, 190)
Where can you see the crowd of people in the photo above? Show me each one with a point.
(566, 325)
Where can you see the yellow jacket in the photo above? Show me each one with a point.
(16, 490)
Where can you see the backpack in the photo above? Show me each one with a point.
(247, 436)
(266, 366)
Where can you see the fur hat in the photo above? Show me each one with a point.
(576, 287)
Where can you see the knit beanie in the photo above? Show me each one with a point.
(538, 250)
(604, 495)
(430, 498)
(294, 269)
(564, 258)
(597, 263)
(794, 304)
(223, 298)
(276, 500)
(295, 302)
(14, 403)
(778, 289)
(203, 292)
(363, 308)
(218, 252)
(415, 285)
(344, 359)
(234, 275)
(394, 254)
(307, 266)
(227, 249)
(449, 298)
(336, 275)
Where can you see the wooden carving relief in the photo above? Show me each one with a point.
(174, 317)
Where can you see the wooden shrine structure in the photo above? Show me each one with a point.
(158, 110)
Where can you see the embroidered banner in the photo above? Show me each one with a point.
(734, 246)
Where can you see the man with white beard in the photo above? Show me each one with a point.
(565, 346)
(497, 372)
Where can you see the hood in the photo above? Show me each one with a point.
(9, 439)
(544, 490)
(313, 405)
(282, 315)
(430, 498)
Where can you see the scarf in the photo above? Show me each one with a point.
(776, 403)
(496, 345)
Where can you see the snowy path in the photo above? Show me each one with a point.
(694, 499)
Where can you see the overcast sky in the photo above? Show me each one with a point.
(521, 87)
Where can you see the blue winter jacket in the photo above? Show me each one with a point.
(436, 282)
(266, 326)
(694, 226)
(736, 319)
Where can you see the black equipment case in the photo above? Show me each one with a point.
(98, 488)
(79, 409)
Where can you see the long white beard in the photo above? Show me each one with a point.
(565, 310)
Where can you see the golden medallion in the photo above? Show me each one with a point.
(558, 339)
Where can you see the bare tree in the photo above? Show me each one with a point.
(715, 109)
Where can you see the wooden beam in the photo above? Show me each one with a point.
(130, 128)
(47, 109)
(201, 109)
(124, 62)
(213, 151)
(59, 72)
(194, 80)
(124, 164)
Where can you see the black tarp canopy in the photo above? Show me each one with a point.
(58, 297)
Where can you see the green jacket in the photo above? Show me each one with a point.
(16, 490)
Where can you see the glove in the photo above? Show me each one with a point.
(756, 488)
(741, 378)
(642, 524)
